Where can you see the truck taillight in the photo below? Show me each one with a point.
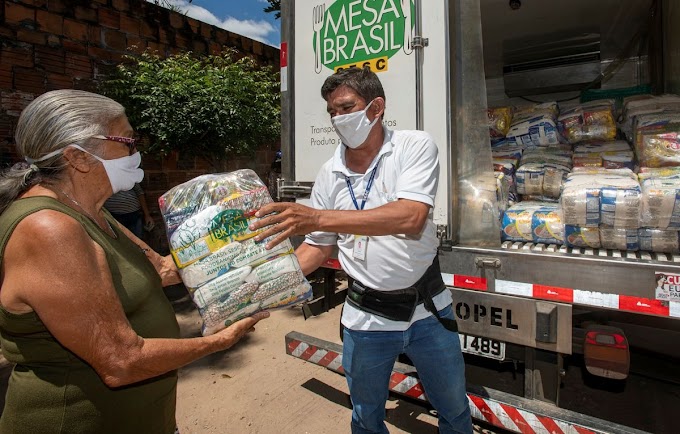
(607, 339)
(605, 352)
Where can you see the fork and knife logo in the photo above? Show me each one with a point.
(317, 24)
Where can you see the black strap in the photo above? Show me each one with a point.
(429, 285)
(448, 323)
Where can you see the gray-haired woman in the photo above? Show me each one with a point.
(82, 310)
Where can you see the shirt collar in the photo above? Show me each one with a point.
(340, 166)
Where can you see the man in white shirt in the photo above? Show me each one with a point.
(374, 200)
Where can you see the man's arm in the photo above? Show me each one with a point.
(311, 256)
(400, 217)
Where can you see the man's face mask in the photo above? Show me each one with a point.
(353, 128)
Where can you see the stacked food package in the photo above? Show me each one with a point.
(535, 125)
(506, 156)
(531, 221)
(228, 274)
(588, 122)
(596, 184)
(541, 172)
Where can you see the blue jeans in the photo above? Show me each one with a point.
(368, 358)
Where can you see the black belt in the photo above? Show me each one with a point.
(399, 305)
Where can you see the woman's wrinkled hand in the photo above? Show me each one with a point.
(235, 332)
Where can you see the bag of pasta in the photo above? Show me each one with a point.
(228, 274)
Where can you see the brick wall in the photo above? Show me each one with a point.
(57, 44)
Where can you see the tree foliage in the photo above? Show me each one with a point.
(274, 6)
(211, 106)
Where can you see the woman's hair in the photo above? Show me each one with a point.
(50, 123)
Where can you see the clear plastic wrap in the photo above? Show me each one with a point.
(504, 171)
(619, 239)
(593, 197)
(657, 139)
(660, 208)
(609, 155)
(582, 237)
(657, 240)
(645, 104)
(529, 221)
(542, 171)
(227, 273)
(535, 125)
(588, 122)
(499, 121)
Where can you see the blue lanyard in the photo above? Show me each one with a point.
(368, 188)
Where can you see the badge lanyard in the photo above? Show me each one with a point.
(361, 241)
(366, 192)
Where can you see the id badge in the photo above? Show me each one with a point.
(360, 244)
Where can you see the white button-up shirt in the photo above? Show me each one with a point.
(407, 168)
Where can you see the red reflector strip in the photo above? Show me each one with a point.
(283, 57)
(554, 293)
(550, 425)
(470, 282)
(406, 385)
(494, 412)
(644, 305)
(332, 263)
(517, 418)
(485, 411)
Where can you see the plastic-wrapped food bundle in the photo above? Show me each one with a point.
(588, 122)
(619, 239)
(645, 104)
(228, 274)
(542, 171)
(658, 240)
(535, 126)
(499, 121)
(582, 237)
(609, 155)
(593, 197)
(503, 184)
(505, 174)
(657, 139)
(530, 221)
(660, 207)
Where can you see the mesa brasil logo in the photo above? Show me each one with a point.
(228, 224)
(361, 33)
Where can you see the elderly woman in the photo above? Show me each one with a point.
(82, 310)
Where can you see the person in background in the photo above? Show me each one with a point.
(129, 208)
(374, 199)
(83, 316)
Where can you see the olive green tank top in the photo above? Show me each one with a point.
(50, 389)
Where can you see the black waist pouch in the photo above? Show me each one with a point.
(399, 305)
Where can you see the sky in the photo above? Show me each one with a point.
(245, 17)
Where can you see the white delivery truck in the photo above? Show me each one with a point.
(544, 325)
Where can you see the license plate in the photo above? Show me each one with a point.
(480, 346)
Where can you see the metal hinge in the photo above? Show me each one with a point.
(420, 42)
(444, 243)
(293, 189)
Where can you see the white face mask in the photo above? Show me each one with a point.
(123, 172)
(353, 128)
